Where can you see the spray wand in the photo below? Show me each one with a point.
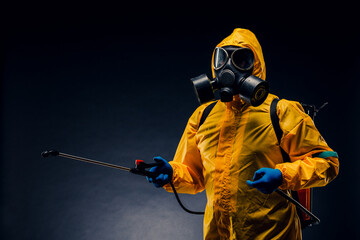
(139, 169)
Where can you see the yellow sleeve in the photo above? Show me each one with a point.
(187, 164)
(313, 162)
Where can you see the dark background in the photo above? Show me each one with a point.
(111, 82)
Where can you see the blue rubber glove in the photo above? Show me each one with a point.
(164, 173)
(266, 180)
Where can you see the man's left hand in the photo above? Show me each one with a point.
(266, 180)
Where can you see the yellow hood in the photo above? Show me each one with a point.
(244, 38)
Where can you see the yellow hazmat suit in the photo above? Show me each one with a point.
(236, 140)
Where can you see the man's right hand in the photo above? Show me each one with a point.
(163, 172)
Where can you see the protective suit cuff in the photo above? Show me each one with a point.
(174, 167)
(167, 186)
(285, 177)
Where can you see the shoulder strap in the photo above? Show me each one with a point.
(206, 113)
(278, 131)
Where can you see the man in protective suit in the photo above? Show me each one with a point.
(236, 157)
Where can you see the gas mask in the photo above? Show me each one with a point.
(233, 67)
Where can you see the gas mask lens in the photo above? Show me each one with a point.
(241, 58)
(220, 58)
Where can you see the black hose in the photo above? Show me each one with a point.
(180, 203)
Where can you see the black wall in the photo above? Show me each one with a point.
(111, 83)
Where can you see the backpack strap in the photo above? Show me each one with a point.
(206, 113)
(278, 131)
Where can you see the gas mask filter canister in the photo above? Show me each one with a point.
(233, 67)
